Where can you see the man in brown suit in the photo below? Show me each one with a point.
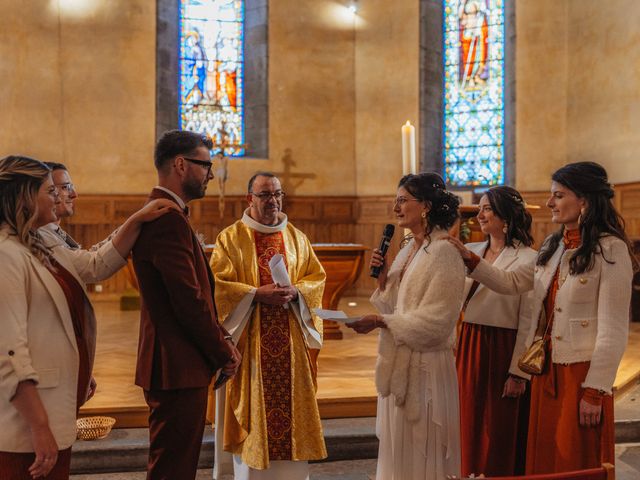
(181, 344)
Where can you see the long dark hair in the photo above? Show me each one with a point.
(508, 205)
(588, 180)
(430, 189)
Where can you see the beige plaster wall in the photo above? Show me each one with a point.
(577, 67)
(387, 90)
(541, 91)
(79, 87)
(603, 114)
(311, 98)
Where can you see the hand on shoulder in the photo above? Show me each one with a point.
(460, 247)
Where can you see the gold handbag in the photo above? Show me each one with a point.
(532, 360)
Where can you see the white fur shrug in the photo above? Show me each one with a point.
(420, 312)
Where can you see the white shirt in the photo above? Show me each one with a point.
(173, 195)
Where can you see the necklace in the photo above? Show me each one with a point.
(410, 257)
(491, 255)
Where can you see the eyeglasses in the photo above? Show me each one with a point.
(66, 187)
(202, 163)
(402, 200)
(264, 196)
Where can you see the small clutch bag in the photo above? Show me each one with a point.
(532, 360)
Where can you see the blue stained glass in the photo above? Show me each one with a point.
(212, 70)
(474, 92)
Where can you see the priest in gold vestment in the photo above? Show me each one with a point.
(267, 417)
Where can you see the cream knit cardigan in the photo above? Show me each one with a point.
(421, 312)
(591, 317)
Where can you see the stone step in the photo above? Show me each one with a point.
(628, 431)
(346, 439)
(126, 449)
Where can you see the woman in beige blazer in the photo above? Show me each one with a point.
(48, 327)
(581, 283)
(493, 414)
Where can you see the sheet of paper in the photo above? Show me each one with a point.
(336, 315)
(279, 272)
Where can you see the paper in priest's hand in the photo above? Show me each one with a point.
(279, 272)
(335, 315)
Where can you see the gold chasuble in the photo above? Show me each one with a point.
(270, 407)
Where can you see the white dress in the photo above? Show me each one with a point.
(418, 418)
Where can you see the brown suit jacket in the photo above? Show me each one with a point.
(181, 344)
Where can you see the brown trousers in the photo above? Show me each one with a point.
(176, 425)
(15, 466)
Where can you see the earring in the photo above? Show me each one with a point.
(505, 228)
(423, 214)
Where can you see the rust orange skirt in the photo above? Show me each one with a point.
(557, 442)
(493, 430)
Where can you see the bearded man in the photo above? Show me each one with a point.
(181, 344)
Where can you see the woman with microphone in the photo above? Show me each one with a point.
(581, 282)
(418, 298)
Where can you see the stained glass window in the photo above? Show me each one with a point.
(474, 92)
(212, 70)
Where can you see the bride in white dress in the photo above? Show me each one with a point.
(418, 299)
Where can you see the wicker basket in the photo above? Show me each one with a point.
(94, 428)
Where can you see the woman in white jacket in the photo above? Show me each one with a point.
(494, 406)
(419, 299)
(581, 285)
(47, 343)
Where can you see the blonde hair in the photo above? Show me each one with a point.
(20, 181)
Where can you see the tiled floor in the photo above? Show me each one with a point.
(627, 468)
(344, 470)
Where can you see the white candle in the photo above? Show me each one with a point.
(409, 164)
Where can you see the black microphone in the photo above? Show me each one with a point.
(384, 246)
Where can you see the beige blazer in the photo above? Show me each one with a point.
(37, 341)
(591, 318)
(487, 307)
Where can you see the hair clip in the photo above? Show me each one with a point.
(517, 199)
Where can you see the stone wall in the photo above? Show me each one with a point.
(387, 91)
(79, 87)
(577, 87)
